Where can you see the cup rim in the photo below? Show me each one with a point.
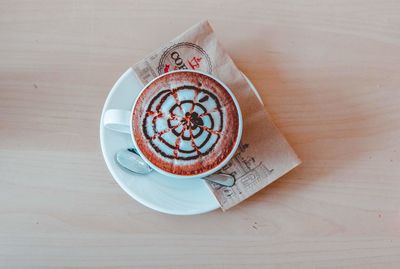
(208, 172)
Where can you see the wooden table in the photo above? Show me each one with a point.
(329, 74)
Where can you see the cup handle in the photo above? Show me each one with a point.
(117, 120)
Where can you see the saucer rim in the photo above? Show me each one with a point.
(110, 167)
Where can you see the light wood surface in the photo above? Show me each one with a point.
(328, 72)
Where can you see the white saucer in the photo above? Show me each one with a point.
(161, 193)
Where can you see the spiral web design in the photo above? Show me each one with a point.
(184, 123)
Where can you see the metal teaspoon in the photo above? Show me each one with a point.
(130, 159)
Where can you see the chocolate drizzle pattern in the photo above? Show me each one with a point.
(185, 123)
(198, 120)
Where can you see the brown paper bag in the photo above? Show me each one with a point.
(264, 154)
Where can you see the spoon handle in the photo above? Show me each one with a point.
(137, 165)
(221, 179)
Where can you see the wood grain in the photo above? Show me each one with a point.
(328, 72)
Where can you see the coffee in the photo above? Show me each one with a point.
(185, 123)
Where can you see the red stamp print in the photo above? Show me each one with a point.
(184, 55)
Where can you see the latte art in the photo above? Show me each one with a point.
(183, 123)
(188, 123)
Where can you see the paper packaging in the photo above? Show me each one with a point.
(264, 154)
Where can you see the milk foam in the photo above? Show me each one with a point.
(185, 123)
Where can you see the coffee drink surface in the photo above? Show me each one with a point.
(185, 123)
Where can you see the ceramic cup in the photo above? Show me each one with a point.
(184, 124)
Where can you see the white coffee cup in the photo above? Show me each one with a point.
(121, 121)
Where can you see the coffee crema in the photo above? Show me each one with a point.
(185, 123)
